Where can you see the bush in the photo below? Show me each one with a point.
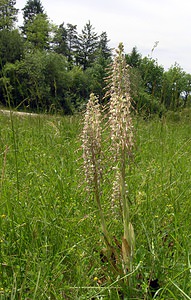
(147, 104)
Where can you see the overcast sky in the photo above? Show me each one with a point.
(138, 23)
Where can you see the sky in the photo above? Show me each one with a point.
(139, 23)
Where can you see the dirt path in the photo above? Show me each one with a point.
(19, 113)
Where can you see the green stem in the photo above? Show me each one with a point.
(123, 197)
(128, 228)
(98, 201)
(102, 219)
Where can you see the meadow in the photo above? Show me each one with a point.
(50, 239)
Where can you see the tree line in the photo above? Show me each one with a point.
(45, 67)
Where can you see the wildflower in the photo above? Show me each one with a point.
(92, 155)
(91, 142)
(121, 132)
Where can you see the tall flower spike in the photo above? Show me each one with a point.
(120, 104)
(121, 131)
(91, 145)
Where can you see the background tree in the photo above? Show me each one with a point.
(30, 11)
(72, 42)
(98, 71)
(8, 14)
(103, 47)
(65, 41)
(60, 40)
(58, 79)
(38, 32)
(50, 66)
(10, 43)
(28, 81)
(146, 83)
(79, 87)
(40, 81)
(87, 46)
(11, 46)
(133, 59)
(187, 88)
(173, 87)
(152, 76)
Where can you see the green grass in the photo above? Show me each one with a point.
(49, 230)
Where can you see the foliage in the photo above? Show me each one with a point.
(103, 47)
(133, 59)
(60, 40)
(88, 54)
(11, 46)
(38, 33)
(152, 75)
(148, 105)
(187, 88)
(40, 81)
(79, 87)
(174, 85)
(30, 11)
(65, 41)
(72, 40)
(97, 74)
(86, 47)
(8, 14)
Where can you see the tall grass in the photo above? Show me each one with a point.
(49, 235)
(36, 227)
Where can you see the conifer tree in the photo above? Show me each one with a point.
(72, 41)
(36, 27)
(60, 40)
(30, 11)
(87, 46)
(8, 14)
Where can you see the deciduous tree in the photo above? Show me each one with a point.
(173, 86)
(152, 76)
(38, 32)
(11, 46)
